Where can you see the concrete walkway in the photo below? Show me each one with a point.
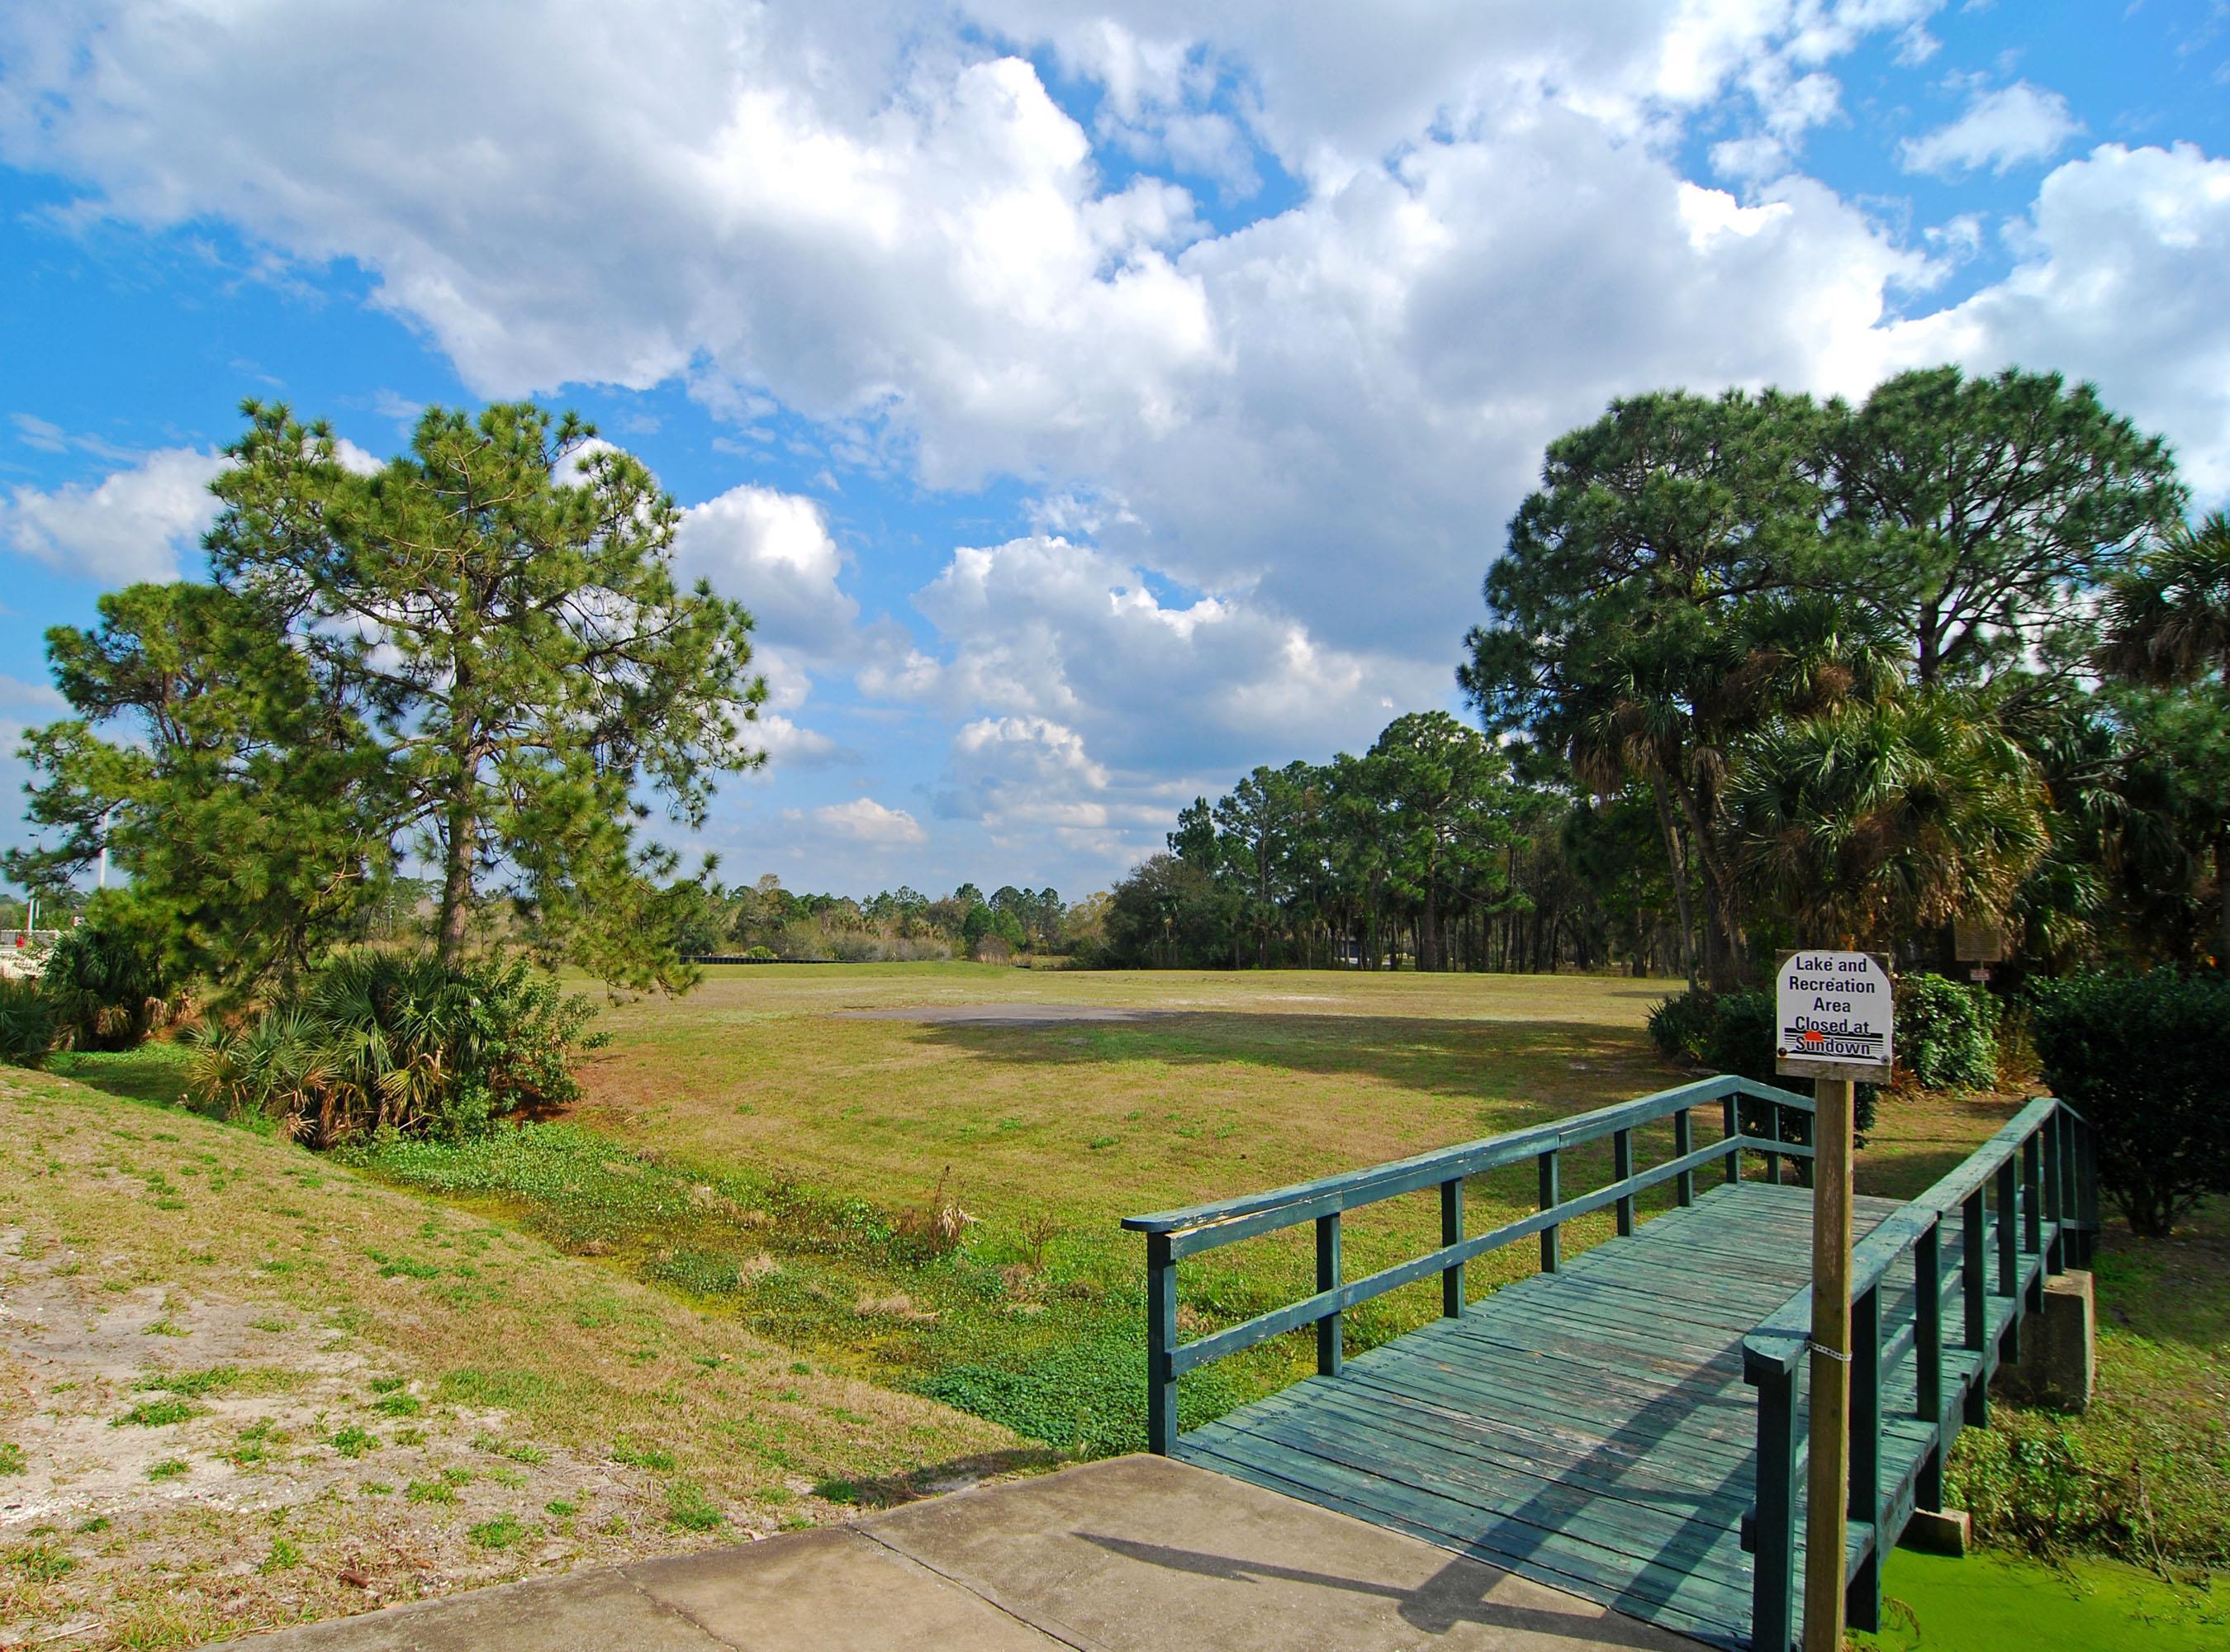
(1135, 1554)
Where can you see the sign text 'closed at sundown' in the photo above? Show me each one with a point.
(1833, 1017)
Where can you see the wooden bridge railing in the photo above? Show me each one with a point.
(1174, 1234)
(2039, 1178)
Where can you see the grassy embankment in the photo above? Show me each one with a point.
(241, 1386)
(780, 1165)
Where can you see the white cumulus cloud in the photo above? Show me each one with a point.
(135, 524)
(1999, 130)
(772, 552)
(860, 821)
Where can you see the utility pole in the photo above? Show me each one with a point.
(105, 815)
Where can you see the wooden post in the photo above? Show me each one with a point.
(1731, 1115)
(2055, 1250)
(1684, 1143)
(1452, 1233)
(1161, 1342)
(1862, 1596)
(1773, 1580)
(1621, 1170)
(2032, 1217)
(1828, 1483)
(1552, 1236)
(1974, 1291)
(1927, 1357)
(1329, 1350)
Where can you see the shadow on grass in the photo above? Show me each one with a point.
(1557, 1065)
(154, 1072)
(933, 1479)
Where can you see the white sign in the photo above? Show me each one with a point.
(1833, 1017)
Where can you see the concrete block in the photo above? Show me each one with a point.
(830, 1591)
(589, 1609)
(1142, 1554)
(1938, 1531)
(2060, 1349)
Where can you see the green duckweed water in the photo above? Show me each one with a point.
(1989, 1602)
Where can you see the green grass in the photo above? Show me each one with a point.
(2142, 1475)
(156, 1414)
(765, 1163)
(504, 1532)
(154, 1072)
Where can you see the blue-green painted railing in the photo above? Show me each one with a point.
(1172, 1235)
(2039, 1175)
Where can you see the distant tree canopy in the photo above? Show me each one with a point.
(477, 654)
(896, 925)
(1836, 652)
(1402, 852)
(1758, 668)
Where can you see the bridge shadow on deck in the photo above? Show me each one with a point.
(1588, 1429)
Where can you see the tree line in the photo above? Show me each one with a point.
(1758, 668)
(764, 919)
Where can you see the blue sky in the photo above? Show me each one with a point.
(1092, 401)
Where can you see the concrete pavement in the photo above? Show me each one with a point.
(1134, 1554)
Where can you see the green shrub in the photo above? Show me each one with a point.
(386, 1042)
(1681, 1027)
(1734, 1032)
(1946, 1033)
(2144, 1059)
(106, 981)
(27, 1022)
(1087, 1396)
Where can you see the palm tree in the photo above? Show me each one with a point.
(2167, 617)
(1673, 702)
(1874, 818)
(2168, 623)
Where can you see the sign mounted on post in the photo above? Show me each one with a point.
(1832, 1016)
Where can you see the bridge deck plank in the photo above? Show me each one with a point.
(1588, 1428)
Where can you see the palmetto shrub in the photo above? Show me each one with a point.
(375, 1041)
(27, 1022)
(106, 985)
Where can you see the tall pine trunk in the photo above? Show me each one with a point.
(457, 876)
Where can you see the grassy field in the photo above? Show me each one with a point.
(925, 1209)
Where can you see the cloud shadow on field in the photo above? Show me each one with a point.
(1557, 1066)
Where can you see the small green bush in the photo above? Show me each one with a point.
(1946, 1033)
(1734, 1032)
(1681, 1028)
(2144, 1058)
(377, 1043)
(27, 1022)
(106, 983)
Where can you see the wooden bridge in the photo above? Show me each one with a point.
(1628, 1423)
